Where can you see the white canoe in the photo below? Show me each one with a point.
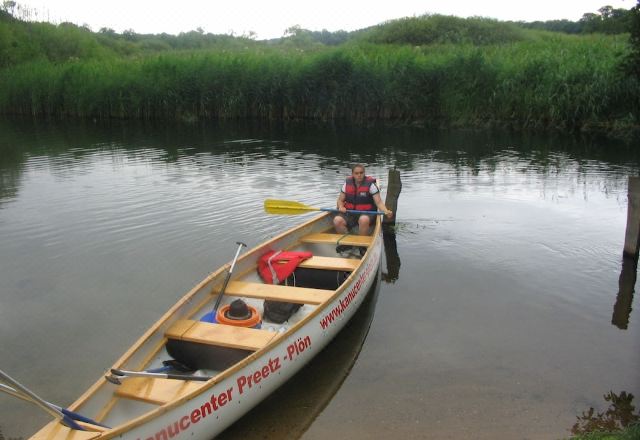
(155, 408)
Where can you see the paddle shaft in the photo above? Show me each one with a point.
(353, 211)
(289, 207)
(226, 280)
(79, 417)
(127, 373)
(43, 404)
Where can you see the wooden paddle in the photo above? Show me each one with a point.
(288, 207)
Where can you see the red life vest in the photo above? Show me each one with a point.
(359, 197)
(275, 266)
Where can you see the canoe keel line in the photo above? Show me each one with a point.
(144, 405)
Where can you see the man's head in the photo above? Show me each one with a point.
(357, 171)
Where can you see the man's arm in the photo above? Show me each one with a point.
(341, 198)
(381, 206)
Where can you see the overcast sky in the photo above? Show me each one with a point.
(269, 19)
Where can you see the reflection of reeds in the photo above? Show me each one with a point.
(618, 416)
(548, 81)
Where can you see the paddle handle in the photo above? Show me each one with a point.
(226, 280)
(353, 211)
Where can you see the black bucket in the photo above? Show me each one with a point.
(279, 312)
(317, 278)
(202, 356)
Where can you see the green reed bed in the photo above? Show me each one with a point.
(548, 80)
(569, 81)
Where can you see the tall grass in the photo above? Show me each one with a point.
(534, 79)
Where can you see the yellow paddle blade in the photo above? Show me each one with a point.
(287, 207)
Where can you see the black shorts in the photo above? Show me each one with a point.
(352, 219)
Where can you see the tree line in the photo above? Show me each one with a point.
(23, 38)
(607, 20)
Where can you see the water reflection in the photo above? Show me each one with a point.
(65, 143)
(201, 161)
(391, 254)
(96, 216)
(290, 410)
(619, 415)
(624, 300)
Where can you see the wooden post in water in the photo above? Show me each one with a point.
(393, 192)
(391, 255)
(632, 236)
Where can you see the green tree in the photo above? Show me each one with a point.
(632, 63)
(8, 6)
(608, 20)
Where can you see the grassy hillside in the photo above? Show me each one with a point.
(440, 29)
(430, 70)
(22, 41)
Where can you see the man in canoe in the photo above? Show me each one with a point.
(359, 192)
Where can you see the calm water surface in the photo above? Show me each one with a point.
(505, 318)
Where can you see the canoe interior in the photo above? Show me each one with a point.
(215, 350)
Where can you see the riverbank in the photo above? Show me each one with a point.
(630, 433)
(489, 74)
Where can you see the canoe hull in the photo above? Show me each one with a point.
(209, 413)
(204, 409)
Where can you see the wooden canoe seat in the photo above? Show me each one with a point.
(330, 263)
(155, 390)
(220, 334)
(348, 240)
(298, 295)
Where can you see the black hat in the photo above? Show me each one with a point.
(238, 310)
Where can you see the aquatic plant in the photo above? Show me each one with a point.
(620, 418)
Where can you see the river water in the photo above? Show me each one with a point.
(501, 312)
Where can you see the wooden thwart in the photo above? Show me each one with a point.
(330, 263)
(219, 334)
(155, 390)
(347, 240)
(298, 295)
